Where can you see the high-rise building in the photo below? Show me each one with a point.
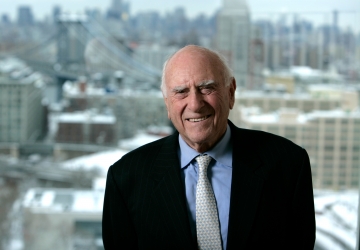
(5, 19)
(21, 110)
(270, 101)
(56, 13)
(25, 16)
(331, 138)
(233, 35)
(118, 10)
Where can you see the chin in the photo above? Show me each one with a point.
(198, 139)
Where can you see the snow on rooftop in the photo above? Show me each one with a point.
(10, 64)
(254, 115)
(263, 118)
(99, 183)
(72, 17)
(139, 140)
(327, 87)
(85, 117)
(339, 113)
(336, 223)
(326, 242)
(99, 161)
(263, 94)
(336, 211)
(103, 160)
(72, 89)
(58, 200)
(305, 71)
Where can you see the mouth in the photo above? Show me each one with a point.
(198, 119)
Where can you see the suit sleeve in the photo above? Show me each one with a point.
(117, 229)
(303, 208)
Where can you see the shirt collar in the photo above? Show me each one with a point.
(222, 152)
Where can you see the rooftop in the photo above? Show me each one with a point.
(50, 200)
(254, 115)
(86, 117)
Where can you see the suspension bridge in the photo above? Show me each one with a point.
(83, 47)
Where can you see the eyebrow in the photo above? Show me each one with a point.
(178, 88)
(201, 84)
(206, 83)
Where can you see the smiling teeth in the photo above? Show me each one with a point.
(198, 120)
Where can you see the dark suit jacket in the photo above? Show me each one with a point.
(271, 204)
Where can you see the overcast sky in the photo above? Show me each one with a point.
(41, 8)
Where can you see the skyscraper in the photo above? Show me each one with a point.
(25, 16)
(233, 35)
(56, 12)
(118, 10)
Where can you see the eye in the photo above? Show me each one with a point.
(206, 89)
(180, 93)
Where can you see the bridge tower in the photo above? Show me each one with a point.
(72, 38)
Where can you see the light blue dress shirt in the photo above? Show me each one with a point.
(219, 174)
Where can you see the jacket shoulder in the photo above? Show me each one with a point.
(144, 154)
(266, 143)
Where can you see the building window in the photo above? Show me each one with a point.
(329, 121)
(329, 148)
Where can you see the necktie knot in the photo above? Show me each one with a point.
(203, 161)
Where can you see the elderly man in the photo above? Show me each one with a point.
(210, 185)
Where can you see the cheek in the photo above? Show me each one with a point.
(173, 112)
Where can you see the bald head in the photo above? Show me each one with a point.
(214, 57)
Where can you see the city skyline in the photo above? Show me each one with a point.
(42, 8)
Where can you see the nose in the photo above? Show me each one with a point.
(195, 101)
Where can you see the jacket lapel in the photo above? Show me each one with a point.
(247, 182)
(169, 195)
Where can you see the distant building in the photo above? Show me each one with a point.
(256, 61)
(118, 10)
(331, 138)
(21, 111)
(233, 36)
(284, 81)
(86, 128)
(56, 13)
(272, 100)
(154, 55)
(25, 16)
(5, 19)
(139, 111)
(133, 109)
(148, 26)
(62, 219)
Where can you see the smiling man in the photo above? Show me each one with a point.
(210, 185)
(199, 96)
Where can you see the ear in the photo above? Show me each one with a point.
(232, 88)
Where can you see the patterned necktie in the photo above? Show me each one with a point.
(207, 220)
